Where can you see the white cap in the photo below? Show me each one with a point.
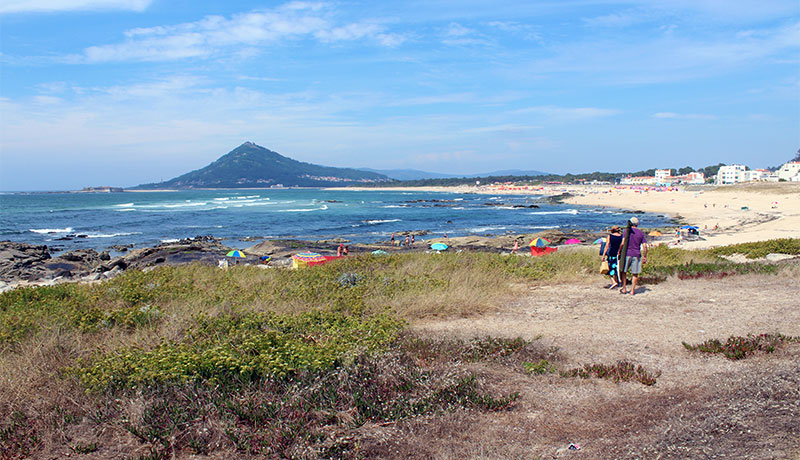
(634, 221)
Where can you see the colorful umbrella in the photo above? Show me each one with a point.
(438, 246)
(309, 257)
(599, 241)
(572, 241)
(539, 242)
(235, 253)
(655, 233)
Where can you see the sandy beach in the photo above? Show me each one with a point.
(739, 213)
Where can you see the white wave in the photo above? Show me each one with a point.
(568, 211)
(111, 235)
(378, 221)
(125, 210)
(124, 205)
(458, 199)
(324, 207)
(222, 199)
(485, 229)
(250, 197)
(188, 204)
(394, 206)
(50, 230)
(170, 240)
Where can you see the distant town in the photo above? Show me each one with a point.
(729, 174)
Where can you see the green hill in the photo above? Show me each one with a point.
(251, 165)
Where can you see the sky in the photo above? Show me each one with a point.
(124, 92)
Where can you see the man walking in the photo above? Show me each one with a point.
(635, 257)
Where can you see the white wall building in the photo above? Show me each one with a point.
(756, 175)
(790, 172)
(662, 174)
(731, 174)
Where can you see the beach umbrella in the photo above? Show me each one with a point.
(379, 252)
(598, 241)
(655, 233)
(266, 259)
(689, 227)
(572, 241)
(235, 253)
(304, 259)
(539, 242)
(438, 246)
(309, 257)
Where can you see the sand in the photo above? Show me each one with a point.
(772, 209)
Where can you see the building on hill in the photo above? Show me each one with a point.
(790, 172)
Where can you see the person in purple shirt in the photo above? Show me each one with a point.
(636, 256)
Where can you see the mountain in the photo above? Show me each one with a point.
(251, 165)
(408, 174)
(414, 174)
(513, 172)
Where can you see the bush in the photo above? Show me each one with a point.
(737, 347)
(622, 371)
(761, 248)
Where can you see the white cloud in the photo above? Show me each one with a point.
(31, 6)
(683, 116)
(569, 113)
(213, 35)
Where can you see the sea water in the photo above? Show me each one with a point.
(68, 221)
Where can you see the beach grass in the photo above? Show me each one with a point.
(273, 361)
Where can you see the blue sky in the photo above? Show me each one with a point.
(123, 92)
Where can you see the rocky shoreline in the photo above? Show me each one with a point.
(24, 264)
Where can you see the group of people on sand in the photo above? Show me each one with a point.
(633, 259)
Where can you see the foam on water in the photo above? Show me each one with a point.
(51, 230)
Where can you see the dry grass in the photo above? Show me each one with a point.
(467, 295)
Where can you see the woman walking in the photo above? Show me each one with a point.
(611, 254)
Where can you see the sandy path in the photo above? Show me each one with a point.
(591, 324)
(701, 407)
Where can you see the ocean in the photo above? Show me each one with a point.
(68, 221)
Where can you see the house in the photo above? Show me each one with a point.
(756, 175)
(731, 174)
(790, 172)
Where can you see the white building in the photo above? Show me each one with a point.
(756, 175)
(790, 172)
(662, 174)
(694, 178)
(731, 174)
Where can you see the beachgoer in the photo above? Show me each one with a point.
(516, 246)
(445, 235)
(412, 240)
(340, 249)
(392, 239)
(407, 245)
(611, 254)
(636, 256)
(345, 250)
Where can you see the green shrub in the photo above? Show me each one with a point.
(242, 348)
(761, 248)
(542, 367)
(737, 347)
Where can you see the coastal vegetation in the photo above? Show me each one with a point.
(190, 359)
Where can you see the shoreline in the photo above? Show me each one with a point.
(740, 213)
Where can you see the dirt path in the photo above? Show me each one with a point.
(701, 407)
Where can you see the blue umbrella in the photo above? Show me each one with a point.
(438, 246)
(692, 227)
(235, 253)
